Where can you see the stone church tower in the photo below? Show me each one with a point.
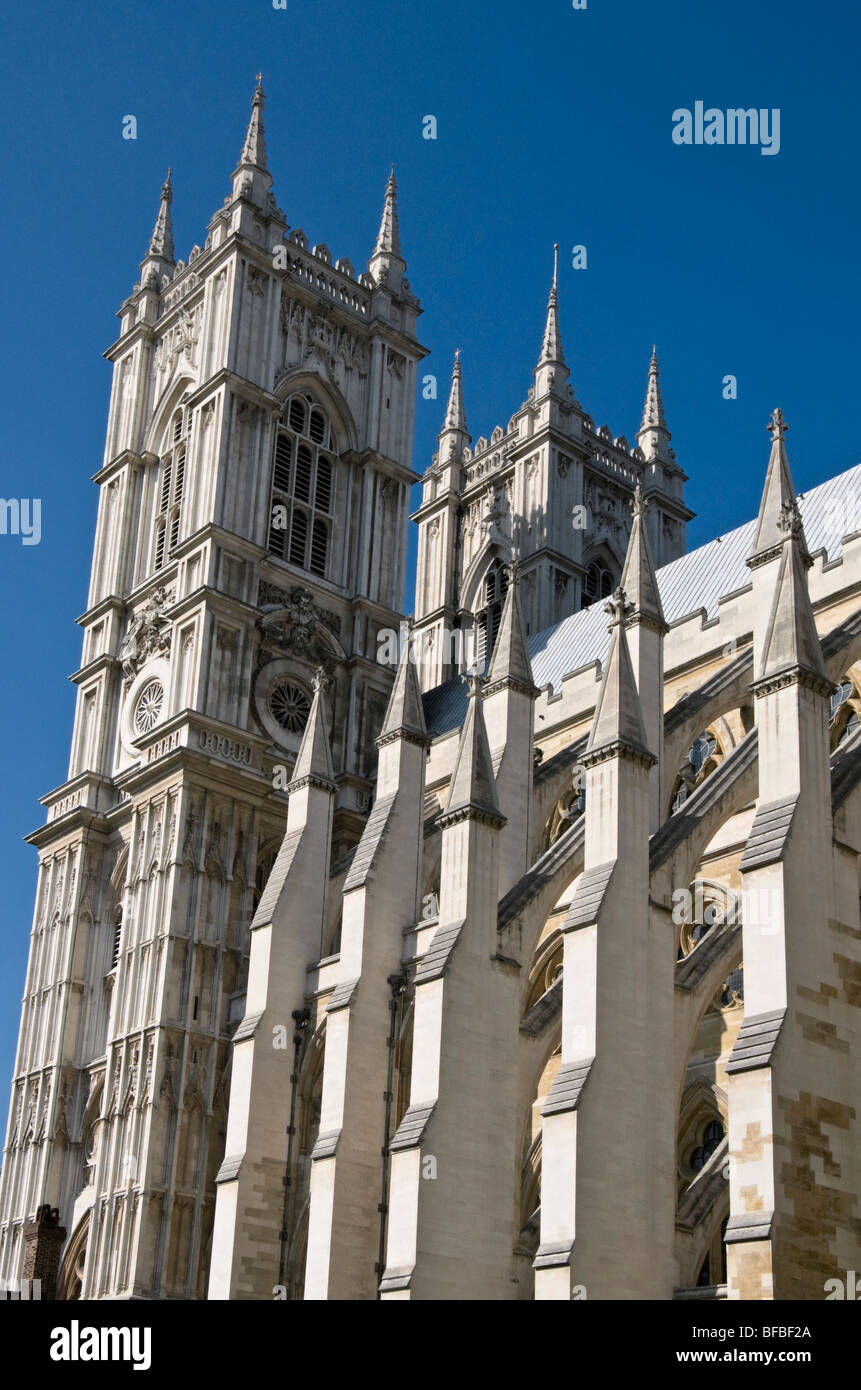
(525, 966)
(551, 491)
(252, 529)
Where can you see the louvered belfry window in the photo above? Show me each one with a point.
(489, 616)
(303, 485)
(171, 484)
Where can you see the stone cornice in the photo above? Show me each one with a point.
(485, 815)
(322, 783)
(619, 748)
(511, 683)
(792, 675)
(639, 619)
(407, 735)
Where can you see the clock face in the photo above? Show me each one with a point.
(289, 706)
(148, 707)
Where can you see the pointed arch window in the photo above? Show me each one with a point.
(303, 486)
(489, 615)
(597, 583)
(171, 487)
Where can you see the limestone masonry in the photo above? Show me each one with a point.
(526, 965)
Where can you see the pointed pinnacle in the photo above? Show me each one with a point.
(473, 785)
(405, 713)
(314, 760)
(254, 149)
(389, 237)
(551, 347)
(161, 241)
(791, 639)
(618, 714)
(455, 415)
(779, 517)
(638, 574)
(510, 661)
(653, 409)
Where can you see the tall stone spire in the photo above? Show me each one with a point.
(473, 785)
(251, 177)
(387, 264)
(653, 435)
(405, 713)
(161, 241)
(160, 256)
(618, 722)
(254, 149)
(454, 435)
(778, 510)
(551, 371)
(638, 576)
(314, 763)
(389, 237)
(455, 415)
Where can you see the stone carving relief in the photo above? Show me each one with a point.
(181, 338)
(149, 634)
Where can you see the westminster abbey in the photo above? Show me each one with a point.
(524, 965)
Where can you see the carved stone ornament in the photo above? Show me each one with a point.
(149, 634)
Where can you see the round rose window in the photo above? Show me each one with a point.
(289, 706)
(148, 708)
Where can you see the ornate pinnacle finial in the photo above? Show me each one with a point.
(777, 426)
(551, 347)
(455, 415)
(639, 503)
(320, 680)
(789, 518)
(618, 608)
(254, 149)
(161, 241)
(472, 680)
(512, 569)
(389, 237)
(653, 409)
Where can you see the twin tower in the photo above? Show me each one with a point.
(276, 1034)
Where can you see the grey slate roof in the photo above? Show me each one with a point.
(695, 581)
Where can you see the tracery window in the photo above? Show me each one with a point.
(699, 761)
(489, 615)
(171, 488)
(303, 478)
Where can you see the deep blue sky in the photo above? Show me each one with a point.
(554, 125)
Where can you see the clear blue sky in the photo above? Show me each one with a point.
(554, 125)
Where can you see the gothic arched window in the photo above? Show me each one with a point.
(489, 615)
(597, 583)
(712, 1136)
(303, 475)
(171, 487)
